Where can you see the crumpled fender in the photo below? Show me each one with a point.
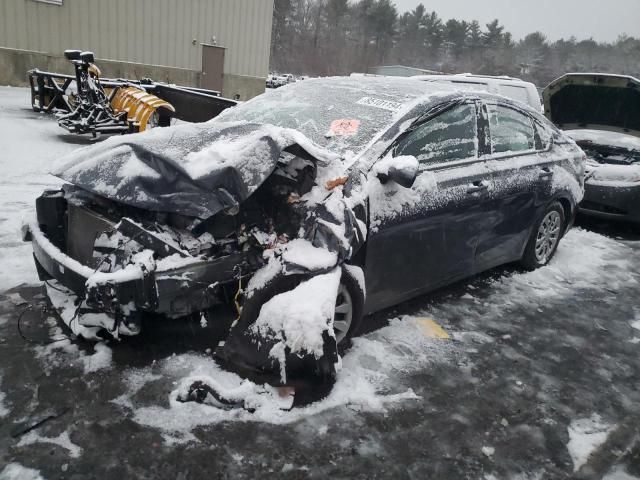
(250, 352)
(333, 233)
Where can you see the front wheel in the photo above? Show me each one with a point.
(349, 306)
(545, 237)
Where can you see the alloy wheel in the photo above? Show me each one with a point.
(343, 313)
(548, 236)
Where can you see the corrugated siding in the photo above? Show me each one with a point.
(156, 32)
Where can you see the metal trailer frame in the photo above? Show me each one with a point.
(49, 93)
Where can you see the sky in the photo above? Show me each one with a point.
(603, 20)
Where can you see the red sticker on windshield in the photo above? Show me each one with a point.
(344, 127)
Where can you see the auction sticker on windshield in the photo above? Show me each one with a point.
(343, 127)
(379, 103)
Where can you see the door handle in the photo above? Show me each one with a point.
(545, 172)
(478, 186)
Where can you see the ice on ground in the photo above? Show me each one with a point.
(585, 436)
(15, 471)
(100, 360)
(25, 161)
(619, 473)
(63, 440)
(60, 351)
(4, 410)
(584, 260)
(371, 379)
(372, 372)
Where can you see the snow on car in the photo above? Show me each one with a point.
(601, 112)
(307, 208)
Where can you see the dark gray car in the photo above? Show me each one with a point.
(307, 208)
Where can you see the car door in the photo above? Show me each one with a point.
(425, 236)
(521, 180)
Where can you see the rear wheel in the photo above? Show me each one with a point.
(545, 237)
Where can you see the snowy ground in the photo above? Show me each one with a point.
(538, 379)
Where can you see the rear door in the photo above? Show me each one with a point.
(425, 236)
(522, 182)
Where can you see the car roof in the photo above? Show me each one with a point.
(469, 77)
(403, 90)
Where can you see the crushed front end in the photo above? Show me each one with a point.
(125, 262)
(138, 233)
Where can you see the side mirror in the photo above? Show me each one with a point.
(401, 170)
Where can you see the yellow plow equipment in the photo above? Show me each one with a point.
(141, 107)
(86, 103)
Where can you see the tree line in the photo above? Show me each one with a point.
(338, 37)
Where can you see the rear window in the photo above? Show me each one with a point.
(475, 86)
(516, 93)
(511, 131)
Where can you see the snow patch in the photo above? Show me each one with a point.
(15, 471)
(100, 360)
(61, 440)
(4, 410)
(585, 436)
(301, 252)
(298, 318)
(371, 379)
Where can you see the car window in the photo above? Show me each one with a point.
(452, 135)
(545, 135)
(515, 92)
(476, 86)
(511, 131)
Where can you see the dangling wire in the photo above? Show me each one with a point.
(239, 292)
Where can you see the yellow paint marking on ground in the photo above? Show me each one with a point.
(431, 329)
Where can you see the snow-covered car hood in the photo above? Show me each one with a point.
(594, 101)
(614, 174)
(195, 170)
(605, 138)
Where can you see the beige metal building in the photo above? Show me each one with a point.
(218, 44)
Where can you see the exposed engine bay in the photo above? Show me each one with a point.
(607, 154)
(110, 237)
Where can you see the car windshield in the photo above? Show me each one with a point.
(342, 115)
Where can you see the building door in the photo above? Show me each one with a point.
(212, 67)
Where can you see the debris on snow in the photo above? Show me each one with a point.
(371, 380)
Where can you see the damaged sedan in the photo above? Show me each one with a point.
(601, 112)
(305, 209)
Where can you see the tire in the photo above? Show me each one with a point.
(545, 237)
(349, 287)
